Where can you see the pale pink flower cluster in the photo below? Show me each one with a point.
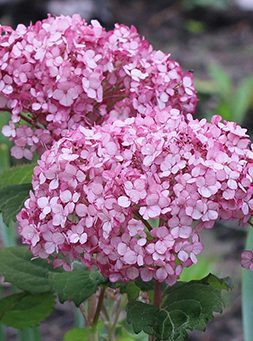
(247, 259)
(97, 192)
(61, 73)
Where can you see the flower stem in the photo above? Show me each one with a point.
(99, 306)
(91, 309)
(157, 302)
(145, 222)
(83, 312)
(157, 294)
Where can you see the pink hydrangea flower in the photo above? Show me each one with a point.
(247, 259)
(95, 191)
(60, 73)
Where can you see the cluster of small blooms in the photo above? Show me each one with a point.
(247, 259)
(61, 73)
(96, 192)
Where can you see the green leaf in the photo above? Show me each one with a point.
(18, 175)
(131, 289)
(12, 199)
(24, 310)
(224, 109)
(199, 300)
(145, 286)
(8, 234)
(4, 157)
(142, 317)
(185, 307)
(37, 276)
(222, 80)
(196, 271)
(241, 99)
(77, 334)
(29, 275)
(30, 334)
(76, 285)
(4, 119)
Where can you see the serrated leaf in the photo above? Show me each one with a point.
(12, 199)
(37, 276)
(142, 317)
(76, 285)
(185, 307)
(199, 300)
(17, 268)
(24, 310)
(76, 334)
(17, 175)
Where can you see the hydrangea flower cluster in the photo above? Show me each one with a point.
(96, 192)
(61, 73)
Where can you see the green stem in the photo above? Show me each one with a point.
(247, 298)
(105, 313)
(93, 335)
(117, 313)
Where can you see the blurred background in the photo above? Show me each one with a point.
(212, 38)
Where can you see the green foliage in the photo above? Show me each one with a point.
(242, 98)
(37, 276)
(143, 317)
(40, 281)
(14, 189)
(126, 336)
(223, 82)
(4, 119)
(233, 103)
(131, 289)
(4, 157)
(247, 299)
(24, 310)
(217, 4)
(76, 286)
(30, 275)
(12, 199)
(185, 307)
(76, 334)
(30, 334)
(18, 175)
(197, 271)
(8, 234)
(145, 286)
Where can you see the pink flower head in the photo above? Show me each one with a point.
(61, 72)
(247, 259)
(97, 189)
